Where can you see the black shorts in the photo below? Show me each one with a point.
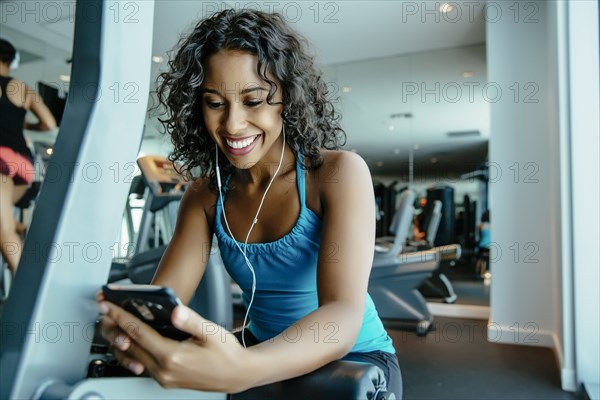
(388, 362)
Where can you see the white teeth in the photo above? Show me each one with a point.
(240, 144)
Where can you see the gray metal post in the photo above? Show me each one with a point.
(48, 320)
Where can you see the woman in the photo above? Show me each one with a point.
(16, 161)
(293, 216)
(482, 267)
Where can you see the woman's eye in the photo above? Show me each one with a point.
(213, 104)
(255, 103)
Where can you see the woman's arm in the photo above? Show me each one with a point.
(184, 261)
(35, 104)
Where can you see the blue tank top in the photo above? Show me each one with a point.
(485, 236)
(286, 279)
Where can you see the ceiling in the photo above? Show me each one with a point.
(374, 49)
(342, 31)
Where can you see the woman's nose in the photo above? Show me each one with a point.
(235, 120)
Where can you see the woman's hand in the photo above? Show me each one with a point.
(212, 360)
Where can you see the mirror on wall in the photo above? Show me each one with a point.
(414, 98)
(414, 103)
(42, 34)
(43, 37)
(421, 121)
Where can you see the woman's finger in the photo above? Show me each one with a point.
(185, 319)
(140, 332)
(129, 362)
(109, 330)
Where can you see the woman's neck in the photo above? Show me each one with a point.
(262, 172)
(4, 70)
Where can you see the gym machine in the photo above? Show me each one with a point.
(440, 234)
(398, 270)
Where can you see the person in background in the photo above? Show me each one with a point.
(419, 231)
(485, 240)
(16, 160)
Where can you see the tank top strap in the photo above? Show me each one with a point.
(301, 179)
(226, 185)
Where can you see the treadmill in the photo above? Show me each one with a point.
(397, 274)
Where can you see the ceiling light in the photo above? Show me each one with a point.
(446, 8)
(157, 59)
(463, 133)
(49, 151)
(65, 78)
(346, 89)
(396, 151)
(391, 127)
(467, 74)
(401, 115)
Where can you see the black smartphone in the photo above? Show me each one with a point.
(152, 304)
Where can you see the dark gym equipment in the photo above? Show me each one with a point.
(437, 285)
(337, 380)
(446, 233)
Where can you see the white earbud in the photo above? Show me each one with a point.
(217, 165)
(254, 221)
(15, 62)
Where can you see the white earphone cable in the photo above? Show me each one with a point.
(254, 221)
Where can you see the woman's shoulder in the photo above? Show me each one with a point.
(15, 85)
(18, 92)
(341, 167)
(341, 156)
(343, 162)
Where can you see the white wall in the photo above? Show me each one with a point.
(524, 143)
(585, 178)
(557, 296)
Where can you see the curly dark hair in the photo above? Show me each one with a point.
(7, 51)
(310, 120)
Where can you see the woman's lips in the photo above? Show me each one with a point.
(242, 146)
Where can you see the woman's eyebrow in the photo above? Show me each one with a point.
(245, 91)
(207, 90)
(253, 89)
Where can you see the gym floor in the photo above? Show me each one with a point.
(455, 361)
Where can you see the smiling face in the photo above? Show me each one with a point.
(237, 116)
